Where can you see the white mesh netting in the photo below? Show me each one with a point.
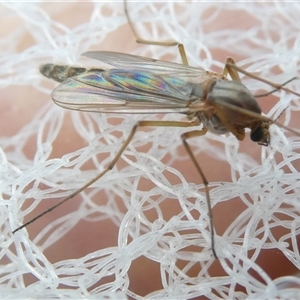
(142, 230)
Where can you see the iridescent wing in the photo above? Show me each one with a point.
(160, 67)
(129, 90)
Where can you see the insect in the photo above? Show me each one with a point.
(140, 85)
(143, 85)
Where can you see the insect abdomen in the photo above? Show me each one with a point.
(60, 73)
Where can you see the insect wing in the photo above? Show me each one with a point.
(124, 91)
(159, 67)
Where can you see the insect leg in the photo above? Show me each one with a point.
(232, 69)
(113, 162)
(184, 138)
(271, 92)
(155, 43)
(140, 40)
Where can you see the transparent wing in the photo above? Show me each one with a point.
(134, 62)
(125, 91)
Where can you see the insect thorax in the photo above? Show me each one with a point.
(228, 106)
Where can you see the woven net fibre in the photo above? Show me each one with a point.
(142, 231)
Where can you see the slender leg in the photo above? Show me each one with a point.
(184, 137)
(156, 43)
(113, 162)
(271, 92)
(140, 40)
(232, 69)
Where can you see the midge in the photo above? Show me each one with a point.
(139, 85)
(136, 84)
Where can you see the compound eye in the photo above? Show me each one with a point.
(257, 134)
